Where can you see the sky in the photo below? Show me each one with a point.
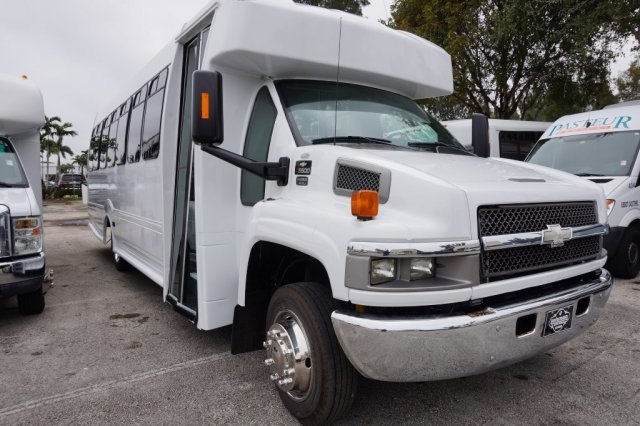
(79, 51)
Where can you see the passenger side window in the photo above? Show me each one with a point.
(135, 128)
(103, 150)
(121, 139)
(112, 151)
(256, 146)
(152, 121)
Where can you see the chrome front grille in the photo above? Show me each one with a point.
(356, 179)
(5, 232)
(519, 260)
(522, 256)
(514, 219)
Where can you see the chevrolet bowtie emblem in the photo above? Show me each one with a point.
(555, 235)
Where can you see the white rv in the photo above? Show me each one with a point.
(511, 139)
(326, 217)
(602, 147)
(22, 261)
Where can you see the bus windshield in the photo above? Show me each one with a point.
(11, 174)
(601, 154)
(329, 112)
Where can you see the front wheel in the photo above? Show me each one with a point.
(626, 263)
(315, 380)
(31, 303)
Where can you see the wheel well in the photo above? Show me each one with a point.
(635, 224)
(270, 266)
(107, 224)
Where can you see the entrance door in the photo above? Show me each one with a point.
(183, 289)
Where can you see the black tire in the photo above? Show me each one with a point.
(120, 264)
(626, 262)
(334, 381)
(31, 303)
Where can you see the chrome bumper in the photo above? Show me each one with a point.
(25, 269)
(437, 348)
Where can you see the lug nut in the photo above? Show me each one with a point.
(274, 377)
(285, 381)
(289, 371)
(268, 361)
(266, 344)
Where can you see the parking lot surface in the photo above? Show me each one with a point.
(108, 350)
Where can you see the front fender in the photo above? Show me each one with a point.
(291, 224)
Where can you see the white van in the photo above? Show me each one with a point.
(22, 262)
(511, 139)
(602, 147)
(325, 216)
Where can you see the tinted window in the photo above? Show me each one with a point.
(112, 147)
(104, 143)
(151, 132)
(121, 145)
(93, 149)
(135, 131)
(517, 145)
(256, 146)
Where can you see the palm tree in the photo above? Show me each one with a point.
(81, 160)
(47, 144)
(60, 131)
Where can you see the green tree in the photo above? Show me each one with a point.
(351, 6)
(47, 144)
(66, 168)
(81, 160)
(628, 82)
(506, 55)
(60, 131)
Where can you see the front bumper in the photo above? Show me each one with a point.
(447, 347)
(21, 276)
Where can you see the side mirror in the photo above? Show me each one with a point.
(480, 135)
(206, 109)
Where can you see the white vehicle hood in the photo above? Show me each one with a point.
(19, 201)
(496, 180)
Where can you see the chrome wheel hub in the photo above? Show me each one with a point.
(288, 355)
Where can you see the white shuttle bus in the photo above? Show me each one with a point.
(512, 139)
(22, 261)
(270, 170)
(602, 147)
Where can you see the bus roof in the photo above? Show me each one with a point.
(612, 119)
(290, 40)
(21, 106)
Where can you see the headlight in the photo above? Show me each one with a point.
(27, 235)
(610, 204)
(383, 270)
(421, 268)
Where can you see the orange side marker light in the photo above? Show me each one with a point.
(204, 105)
(364, 204)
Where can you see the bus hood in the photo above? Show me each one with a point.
(487, 181)
(19, 201)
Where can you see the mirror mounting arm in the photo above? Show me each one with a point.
(268, 170)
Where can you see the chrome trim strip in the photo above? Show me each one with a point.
(445, 248)
(498, 242)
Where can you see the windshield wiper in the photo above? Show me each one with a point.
(587, 174)
(435, 146)
(351, 139)
(6, 185)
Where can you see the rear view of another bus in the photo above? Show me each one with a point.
(602, 146)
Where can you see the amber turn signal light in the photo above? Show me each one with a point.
(364, 204)
(204, 102)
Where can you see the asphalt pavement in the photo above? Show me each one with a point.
(108, 350)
